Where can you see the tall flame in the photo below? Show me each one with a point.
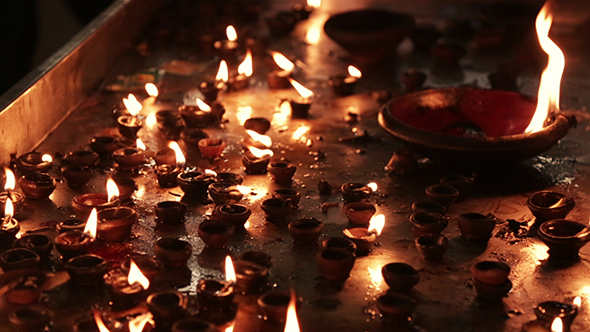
(230, 328)
(223, 72)
(291, 323)
(8, 211)
(180, 159)
(135, 275)
(210, 172)
(46, 158)
(203, 106)
(557, 325)
(303, 91)
(230, 273)
(138, 323)
(151, 121)
(132, 105)
(376, 224)
(246, 67)
(373, 186)
(548, 96)
(283, 62)
(112, 190)
(10, 180)
(139, 144)
(151, 89)
(232, 34)
(258, 153)
(264, 139)
(91, 225)
(354, 72)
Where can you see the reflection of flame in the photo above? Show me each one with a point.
(373, 186)
(135, 275)
(538, 253)
(243, 189)
(231, 327)
(303, 91)
(247, 225)
(99, 322)
(132, 105)
(246, 67)
(354, 72)
(210, 172)
(232, 34)
(558, 203)
(151, 121)
(376, 224)
(46, 158)
(376, 276)
(91, 225)
(548, 97)
(281, 115)
(138, 323)
(557, 325)
(283, 62)
(180, 160)
(10, 180)
(222, 73)
(264, 139)
(300, 132)
(258, 153)
(577, 302)
(313, 35)
(314, 3)
(291, 323)
(139, 144)
(112, 190)
(151, 89)
(230, 273)
(243, 114)
(203, 105)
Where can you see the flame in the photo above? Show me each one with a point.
(139, 144)
(138, 323)
(283, 62)
(577, 302)
(10, 180)
(135, 275)
(548, 97)
(265, 140)
(91, 225)
(292, 324)
(281, 115)
(222, 73)
(8, 212)
(373, 186)
(243, 189)
(557, 325)
(151, 121)
(152, 89)
(180, 160)
(203, 105)
(300, 132)
(132, 105)
(303, 91)
(99, 322)
(231, 33)
(210, 172)
(46, 158)
(354, 72)
(376, 224)
(314, 3)
(231, 327)
(258, 153)
(230, 273)
(243, 114)
(313, 35)
(112, 190)
(247, 225)
(246, 67)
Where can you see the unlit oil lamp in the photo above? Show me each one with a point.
(442, 193)
(167, 307)
(129, 159)
(359, 213)
(335, 263)
(74, 242)
(82, 158)
(172, 253)
(300, 106)
(259, 257)
(476, 226)
(344, 85)
(211, 89)
(279, 79)
(250, 277)
(228, 48)
(258, 124)
(128, 291)
(9, 226)
(168, 174)
(19, 258)
(400, 277)
(115, 223)
(276, 209)
(195, 184)
(191, 138)
(227, 192)
(281, 171)
(215, 233)
(76, 176)
(426, 223)
(564, 237)
(338, 242)
(245, 71)
(256, 160)
(432, 247)
(87, 269)
(16, 198)
(34, 162)
(104, 146)
(306, 231)
(170, 212)
(212, 147)
(30, 318)
(274, 304)
(291, 196)
(84, 203)
(428, 205)
(169, 123)
(130, 124)
(490, 279)
(364, 238)
(37, 185)
(395, 307)
(233, 214)
(39, 243)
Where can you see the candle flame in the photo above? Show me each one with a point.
(135, 275)
(99, 322)
(138, 323)
(283, 62)
(548, 96)
(246, 67)
(180, 160)
(91, 225)
(376, 224)
(139, 144)
(132, 105)
(303, 91)
(373, 186)
(203, 105)
(558, 203)
(232, 34)
(264, 139)
(8, 211)
(10, 180)
(223, 72)
(210, 172)
(291, 323)
(314, 3)
(47, 158)
(243, 189)
(230, 273)
(577, 302)
(152, 89)
(313, 35)
(557, 325)
(258, 153)
(231, 327)
(112, 190)
(300, 132)
(354, 72)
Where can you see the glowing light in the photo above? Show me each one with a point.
(373, 186)
(577, 302)
(99, 322)
(230, 273)
(247, 225)
(8, 212)
(281, 115)
(354, 72)
(300, 132)
(283, 62)
(243, 114)
(180, 159)
(139, 144)
(223, 72)
(303, 91)
(376, 224)
(203, 105)
(557, 325)
(231, 327)
(151, 121)
(265, 140)
(46, 158)
(112, 190)
(314, 3)
(132, 105)
(10, 180)
(312, 36)
(258, 153)
(539, 253)
(210, 172)
(135, 275)
(548, 96)
(231, 33)
(246, 67)
(243, 189)
(376, 276)
(152, 89)
(291, 323)
(91, 225)
(138, 323)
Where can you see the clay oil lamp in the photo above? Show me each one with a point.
(250, 277)
(257, 140)
(191, 137)
(426, 223)
(25, 286)
(138, 323)
(233, 214)
(245, 71)
(215, 233)
(19, 258)
(276, 209)
(258, 257)
(227, 192)
(256, 160)
(229, 177)
(300, 106)
(128, 291)
(82, 158)
(211, 89)
(30, 318)
(194, 184)
(84, 203)
(257, 124)
(442, 193)
(70, 225)
(39, 243)
(76, 176)
(281, 24)
(564, 237)
(168, 174)
(17, 199)
(218, 294)
(130, 124)
(115, 223)
(227, 49)
(428, 205)
(359, 213)
(126, 188)
(344, 85)
(152, 90)
(395, 307)
(490, 279)
(170, 212)
(338, 242)
(167, 307)
(273, 305)
(74, 242)
(364, 238)
(9, 226)
(281, 171)
(354, 192)
(432, 247)
(291, 196)
(476, 226)
(400, 277)
(335, 263)
(197, 116)
(87, 269)
(211, 147)
(192, 324)
(548, 312)
(548, 205)
(34, 162)
(172, 253)
(169, 123)
(104, 146)
(306, 231)
(148, 265)
(279, 79)
(129, 159)
(37, 185)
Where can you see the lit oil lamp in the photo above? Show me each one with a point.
(344, 85)
(300, 106)
(279, 79)
(245, 71)
(256, 160)
(129, 159)
(228, 48)
(37, 185)
(116, 223)
(138, 323)
(73, 243)
(198, 116)
(168, 121)
(130, 124)
(17, 198)
(34, 162)
(195, 184)
(548, 312)
(128, 291)
(168, 174)
(84, 203)
(9, 227)
(365, 237)
(216, 297)
(257, 140)
(211, 89)
(227, 192)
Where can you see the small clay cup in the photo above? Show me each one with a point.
(37, 185)
(83, 204)
(114, 224)
(335, 263)
(128, 158)
(396, 307)
(546, 312)
(167, 307)
(491, 293)
(306, 231)
(443, 194)
(32, 162)
(476, 226)
(258, 257)
(426, 223)
(30, 318)
(224, 193)
(215, 233)
(275, 209)
(359, 213)
(19, 258)
(564, 237)
(76, 176)
(167, 175)
(338, 242)
(281, 171)
(214, 293)
(87, 269)
(105, 145)
(258, 124)
(211, 148)
(490, 272)
(432, 247)
(428, 205)
(39, 243)
(293, 197)
(195, 184)
(170, 212)
(191, 138)
(361, 238)
(273, 305)
(82, 158)
(549, 205)
(233, 214)
(72, 243)
(232, 178)
(400, 277)
(172, 253)
(250, 276)
(354, 192)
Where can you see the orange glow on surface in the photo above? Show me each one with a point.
(203, 105)
(557, 325)
(210, 172)
(112, 190)
(151, 121)
(230, 273)
(10, 180)
(314, 3)
(247, 225)
(246, 67)
(265, 140)
(291, 323)
(138, 323)
(312, 36)
(231, 327)
(303, 91)
(376, 276)
(283, 62)
(222, 73)
(132, 105)
(91, 225)
(231, 33)
(180, 159)
(46, 158)
(139, 144)
(135, 275)
(244, 113)
(373, 186)
(548, 96)
(258, 153)
(376, 224)
(300, 132)
(152, 89)
(99, 322)
(243, 189)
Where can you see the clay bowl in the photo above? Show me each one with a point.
(425, 223)
(400, 277)
(338, 242)
(442, 193)
(170, 212)
(359, 213)
(547, 205)
(395, 307)
(548, 311)
(30, 318)
(305, 231)
(432, 247)
(172, 253)
(428, 205)
(369, 35)
(233, 214)
(114, 224)
(39, 243)
(19, 258)
(335, 263)
(215, 233)
(564, 237)
(476, 226)
(432, 122)
(167, 306)
(87, 269)
(490, 272)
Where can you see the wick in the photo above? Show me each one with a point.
(117, 209)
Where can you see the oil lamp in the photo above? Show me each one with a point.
(365, 237)
(195, 184)
(84, 203)
(169, 122)
(39, 243)
(291, 196)
(227, 49)
(279, 79)
(547, 205)
(306, 231)
(87, 269)
(245, 71)
(129, 159)
(199, 115)
(548, 312)
(19, 258)
(281, 171)
(130, 124)
(170, 212)
(300, 107)
(490, 280)
(216, 297)
(172, 253)
(116, 223)
(37, 185)
(34, 162)
(30, 318)
(354, 192)
(400, 277)
(249, 276)
(227, 192)
(168, 174)
(76, 176)
(344, 85)
(215, 233)
(9, 227)
(73, 243)
(476, 226)
(359, 213)
(257, 140)
(153, 93)
(128, 291)
(16, 198)
(167, 307)
(256, 160)
(191, 137)
(212, 147)
(211, 89)
(233, 214)
(335, 263)
(82, 158)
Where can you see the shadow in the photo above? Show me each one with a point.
(556, 263)
(329, 287)
(465, 250)
(177, 278)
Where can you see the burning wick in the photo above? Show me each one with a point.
(373, 186)
(91, 226)
(135, 276)
(246, 67)
(282, 61)
(180, 159)
(100, 322)
(557, 325)
(577, 303)
(376, 225)
(265, 140)
(203, 105)
(138, 323)
(222, 75)
(46, 158)
(231, 327)
(112, 190)
(291, 323)
(354, 73)
(304, 92)
(8, 213)
(10, 180)
(151, 89)
(139, 144)
(230, 272)
(132, 105)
